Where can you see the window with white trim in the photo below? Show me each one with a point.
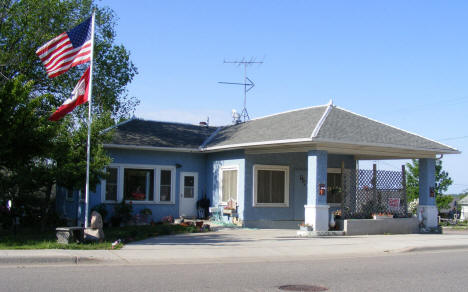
(228, 184)
(271, 186)
(165, 185)
(111, 184)
(139, 184)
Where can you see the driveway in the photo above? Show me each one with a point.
(246, 245)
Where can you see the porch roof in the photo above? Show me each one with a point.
(323, 125)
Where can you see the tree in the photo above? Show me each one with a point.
(442, 182)
(37, 154)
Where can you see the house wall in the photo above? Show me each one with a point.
(190, 162)
(214, 162)
(297, 162)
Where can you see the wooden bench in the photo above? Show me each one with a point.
(68, 235)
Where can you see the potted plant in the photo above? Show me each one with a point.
(305, 227)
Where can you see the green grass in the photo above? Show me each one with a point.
(32, 239)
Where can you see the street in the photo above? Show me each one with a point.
(415, 271)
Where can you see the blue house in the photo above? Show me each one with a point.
(279, 170)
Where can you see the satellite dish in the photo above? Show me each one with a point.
(235, 117)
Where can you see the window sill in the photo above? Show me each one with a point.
(266, 205)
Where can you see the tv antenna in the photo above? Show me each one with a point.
(248, 84)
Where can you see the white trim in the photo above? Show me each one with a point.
(260, 143)
(398, 129)
(156, 183)
(321, 121)
(284, 168)
(220, 182)
(391, 146)
(290, 111)
(103, 187)
(158, 186)
(195, 189)
(151, 148)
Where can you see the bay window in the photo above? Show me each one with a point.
(139, 184)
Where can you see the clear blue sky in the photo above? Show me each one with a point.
(400, 62)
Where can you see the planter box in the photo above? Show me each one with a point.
(378, 217)
(371, 226)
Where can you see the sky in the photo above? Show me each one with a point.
(403, 63)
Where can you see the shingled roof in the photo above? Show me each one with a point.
(314, 125)
(141, 133)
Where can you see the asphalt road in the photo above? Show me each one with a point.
(417, 271)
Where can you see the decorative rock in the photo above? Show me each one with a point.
(96, 220)
(95, 232)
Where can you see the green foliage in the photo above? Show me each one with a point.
(442, 182)
(123, 211)
(26, 25)
(36, 154)
(32, 239)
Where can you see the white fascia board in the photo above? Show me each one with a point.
(252, 144)
(321, 121)
(151, 148)
(380, 145)
(454, 149)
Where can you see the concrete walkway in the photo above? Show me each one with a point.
(242, 245)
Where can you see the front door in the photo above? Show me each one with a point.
(300, 194)
(188, 194)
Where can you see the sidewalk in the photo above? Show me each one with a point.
(240, 245)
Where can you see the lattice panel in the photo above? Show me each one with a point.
(368, 192)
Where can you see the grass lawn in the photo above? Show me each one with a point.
(33, 239)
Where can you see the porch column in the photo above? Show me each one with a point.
(427, 202)
(316, 210)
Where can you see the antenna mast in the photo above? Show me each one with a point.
(248, 84)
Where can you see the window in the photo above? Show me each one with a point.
(334, 192)
(138, 184)
(189, 186)
(228, 179)
(271, 186)
(165, 185)
(111, 184)
(141, 184)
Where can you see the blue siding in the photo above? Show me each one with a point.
(426, 181)
(297, 163)
(217, 160)
(189, 162)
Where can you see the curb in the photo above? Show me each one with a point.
(36, 260)
(429, 248)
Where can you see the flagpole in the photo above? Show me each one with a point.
(90, 95)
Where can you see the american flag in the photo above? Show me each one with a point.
(67, 50)
(79, 96)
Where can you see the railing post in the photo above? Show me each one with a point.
(374, 187)
(403, 183)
